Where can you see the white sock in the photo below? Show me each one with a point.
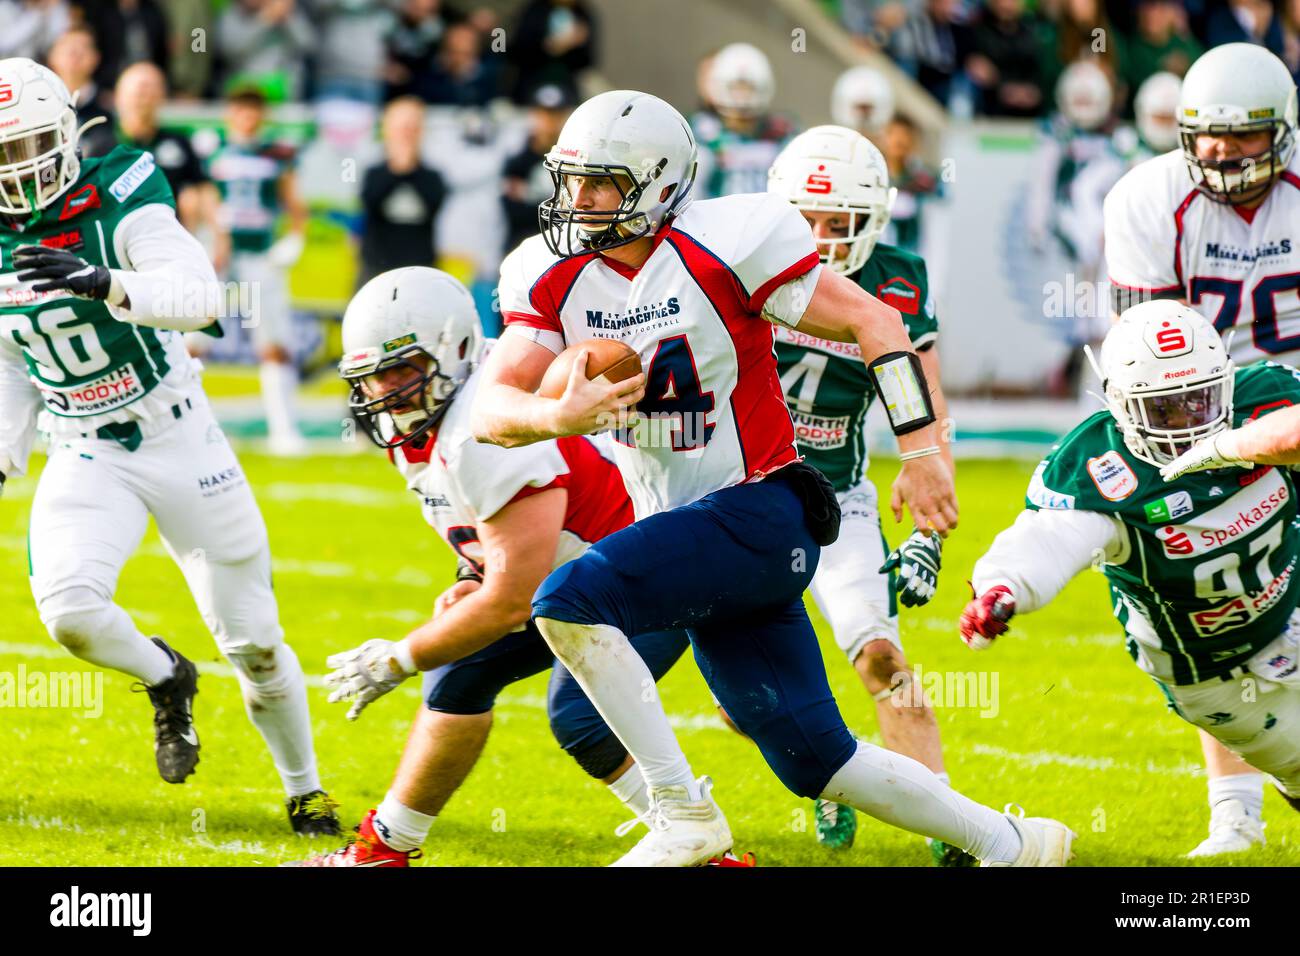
(1246, 787)
(907, 794)
(276, 702)
(400, 827)
(279, 389)
(619, 684)
(630, 788)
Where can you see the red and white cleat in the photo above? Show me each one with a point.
(730, 859)
(364, 849)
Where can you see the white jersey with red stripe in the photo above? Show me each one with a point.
(697, 313)
(462, 482)
(1238, 268)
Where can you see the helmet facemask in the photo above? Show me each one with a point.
(569, 231)
(1242, 179)
(1163, 423)
(37, 165)
(866, 223)
(427, 396)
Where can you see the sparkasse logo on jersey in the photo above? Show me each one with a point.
(1238, 516)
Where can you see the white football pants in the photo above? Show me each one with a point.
(89, 514)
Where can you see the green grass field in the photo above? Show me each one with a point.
(1078, 732)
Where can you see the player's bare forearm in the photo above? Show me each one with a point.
(1273, 439)
(468, 626)
(945, 429)
(842, 311)
(506, 412)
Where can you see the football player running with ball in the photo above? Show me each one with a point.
(730, 522)
(1202, 571)
(412, 344)
(1213, 225)
(98, 282)
(840, 182)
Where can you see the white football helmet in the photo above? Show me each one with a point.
(1167, 379)
(862, 100)
(740, 81)
(644, 145)
(419, 318)
(38, 137)
(1156, 109)
(1238, 88)
(835, 169)
(1084, 95)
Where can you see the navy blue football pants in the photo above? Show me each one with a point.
(471, 685)
(731, 568)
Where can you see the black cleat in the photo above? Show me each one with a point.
(176, 745)
(312, 814)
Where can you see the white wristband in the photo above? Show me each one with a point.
(402, 654)
(920, 453)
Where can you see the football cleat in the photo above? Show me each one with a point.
(364, 849)
(1232, 830)
(836, 824)
(1043, 842)
(312, 814)
(175, 744)
(945, 854)
(683, 832)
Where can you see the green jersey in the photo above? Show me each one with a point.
(1205, 575)
(84, 361)
(248, 178)
(826, 384)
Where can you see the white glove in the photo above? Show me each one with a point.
(1205, 455)
(366, 673)
(286, 250)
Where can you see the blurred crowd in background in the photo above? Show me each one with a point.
(252, 108)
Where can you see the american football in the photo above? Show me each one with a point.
(956, 526)
(610, 359)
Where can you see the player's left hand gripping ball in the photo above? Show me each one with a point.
(986, 617)
(55, 270)
(1206, 454)
(917, 562)
(364, 674)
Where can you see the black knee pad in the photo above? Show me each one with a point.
(600, 759)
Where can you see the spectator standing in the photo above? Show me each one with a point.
(554, 41)
(75, 58)
(462, 75)
(1245, 21)
(1082, 32)
(350, 55)
(411, 46)
(400, 197)
(874, 23)
(1004, 62)
(932, 44)
(190, 70)
(126, 31)
(141, 91)
(31, 26)
(526, 181)
(1163, 42)
(264, 43)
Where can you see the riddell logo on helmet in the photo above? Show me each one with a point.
(1180, 374)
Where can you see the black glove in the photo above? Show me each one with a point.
(58, 269)
(917, 561)
(2, 482)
